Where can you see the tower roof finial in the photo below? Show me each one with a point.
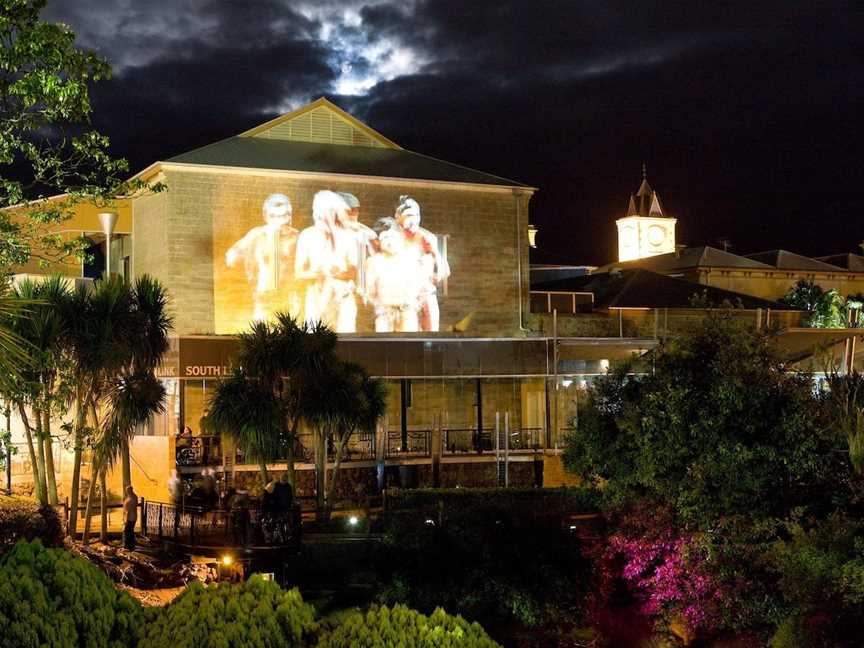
(644, 171)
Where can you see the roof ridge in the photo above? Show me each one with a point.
(514, 183)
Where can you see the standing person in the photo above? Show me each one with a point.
(393, 282)
(365, 239)
(130, 517)
(327, 261)
(268, 256)
(433, 267)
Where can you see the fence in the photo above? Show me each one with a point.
(238, 527)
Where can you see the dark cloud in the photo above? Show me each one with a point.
(747, 114)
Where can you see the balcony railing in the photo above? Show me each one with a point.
(416, 443)
(467, 440)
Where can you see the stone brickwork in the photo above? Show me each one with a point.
(182, 235)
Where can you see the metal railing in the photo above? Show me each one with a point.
(466, 440)
(199, 451)
(237, 527)
(417, 443)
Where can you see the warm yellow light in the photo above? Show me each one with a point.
(226, 560)
(353, 520)
(532, 236)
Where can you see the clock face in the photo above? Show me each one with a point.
(656, 235)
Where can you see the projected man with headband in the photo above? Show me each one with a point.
(431, 265)
(327, 257)
(267, 252)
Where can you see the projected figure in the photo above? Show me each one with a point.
(393, 283)
(432, 265)
(326, 260)
(365, 237)
(267, 252)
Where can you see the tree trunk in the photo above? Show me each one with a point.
(337, 461)
(126, 464)
(103, 512)
(320, 440)
(262, 467)
(74, 495)
(38, 480)
(88, 509)
(51, 478)
(289, 467)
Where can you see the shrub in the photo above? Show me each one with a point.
(24, 519)
(257, 614)
(402, 626)
(50, 597)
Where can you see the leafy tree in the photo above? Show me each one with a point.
(46, 143)
(402, 626)
(256, 614)
(844, 399)
(718, 428)
(51, 597)
(827, 307)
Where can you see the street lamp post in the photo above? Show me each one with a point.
(108, 220)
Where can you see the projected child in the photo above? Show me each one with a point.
(267, 252)
(393, 283)
(433, 266)
(327, 261)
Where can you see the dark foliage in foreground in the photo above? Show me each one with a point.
(730, 488)
(482, 555)
(50, 597)
(24, 519)
(256, 614)
(402, 626)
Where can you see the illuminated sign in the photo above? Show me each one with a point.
(384, 275)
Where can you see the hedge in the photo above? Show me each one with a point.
(402, 626)
(52, 598)
(544, 502)
(256, 614)
(24, 519)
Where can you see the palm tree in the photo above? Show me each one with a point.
(283, 360)
(362, 401)
(41, 386)
(116, 341)
(245, 411)
(342, 401)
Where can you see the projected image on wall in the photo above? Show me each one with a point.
(340, 270)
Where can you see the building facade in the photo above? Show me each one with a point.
(300, 215)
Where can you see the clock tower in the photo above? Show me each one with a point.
(645, 230)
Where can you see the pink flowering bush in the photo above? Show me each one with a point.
(672, 575)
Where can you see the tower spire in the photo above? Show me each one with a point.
(644, 171)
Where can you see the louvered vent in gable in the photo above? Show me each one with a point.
(320, 125)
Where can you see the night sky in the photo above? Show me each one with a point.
(747, 114)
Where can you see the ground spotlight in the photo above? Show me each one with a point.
(353, 520)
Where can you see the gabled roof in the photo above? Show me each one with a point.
(848, 261)
(321, 121)
(692, 257)
(281, 155)
(785, 260)
(640, 288)
(323, 138)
